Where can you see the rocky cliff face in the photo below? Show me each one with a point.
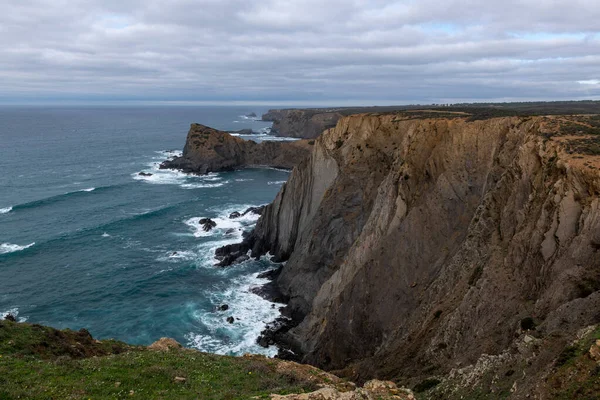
(416, 248)
(301, 123)
(210, 150)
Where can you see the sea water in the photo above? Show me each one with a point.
(87, 242)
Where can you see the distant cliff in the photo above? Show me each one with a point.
(210, 150)
(301, 123)
(441, 250)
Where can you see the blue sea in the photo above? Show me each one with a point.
(86, 242)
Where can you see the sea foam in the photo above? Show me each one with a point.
(6, 248)
(251, 313)
(14, 312)
(5, 210)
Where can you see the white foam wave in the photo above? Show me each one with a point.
(249, 118)
(177, 256)
(276, 182)
(5, 210)
(88, 190)
(244, 180)
(223, 225)
(105, 235)
(202, 185)
(6, 248)
(251, 313)
(14, 312)
(154, 175)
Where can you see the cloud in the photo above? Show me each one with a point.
(304, 50)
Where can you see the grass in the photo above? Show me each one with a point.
(44, 363)
(576, 375)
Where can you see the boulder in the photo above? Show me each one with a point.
(234, 215)
(144, 174)
(254, 210)
(165, 344)
(207, 224)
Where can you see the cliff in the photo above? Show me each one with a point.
(441, 250)
(301, 123)
(311, 122)
(210, 150)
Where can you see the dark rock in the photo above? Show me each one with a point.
(230, 231)
(527, 324)
(144, 174)
(271, 274)
(230, 320)
(233, 253)
(271, 292)
(241, 259)
(10, 317)
(234, 215)
(255, 210)
(251, 115)
(223, 307)
(207, 224)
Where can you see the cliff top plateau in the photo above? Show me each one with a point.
(310, 122)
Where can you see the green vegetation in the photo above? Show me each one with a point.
(576, 374)
(43, 363)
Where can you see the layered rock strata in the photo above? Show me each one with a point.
(418, 246)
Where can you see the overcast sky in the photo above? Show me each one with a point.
(298, 51)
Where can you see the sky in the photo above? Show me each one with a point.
(336, 52)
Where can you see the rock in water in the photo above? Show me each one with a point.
(210, 150)
(254, 210)
(144, 174)
(234, 215)
(10, 317)
(207, 224)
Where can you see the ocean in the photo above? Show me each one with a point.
(86, 242)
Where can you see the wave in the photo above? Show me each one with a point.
(6, 248)
(61, 197)
(202, 185)
(5, 210)
(154, 175)
(276, 182)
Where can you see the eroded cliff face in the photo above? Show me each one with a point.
(210, 150)
(301, 123)
(415, 247)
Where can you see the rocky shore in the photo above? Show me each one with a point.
(210, 150)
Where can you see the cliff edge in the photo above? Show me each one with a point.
(210, 150)
(441, 250)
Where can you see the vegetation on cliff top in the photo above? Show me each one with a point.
(38, 362)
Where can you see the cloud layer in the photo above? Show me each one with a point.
(299, 50)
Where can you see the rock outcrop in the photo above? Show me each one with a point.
(301, 123)
(418, 246)
(210, 150)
